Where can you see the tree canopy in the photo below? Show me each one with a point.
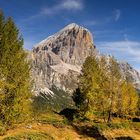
(103, 90)
(14, 74)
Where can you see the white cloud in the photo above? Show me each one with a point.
(131, 47)
(128, 49)
(117, 14)
(63, 5)
(124, 50)
(72, 4)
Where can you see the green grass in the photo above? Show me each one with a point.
(124, 125)
(58, 102)
(53, 119)
(119, 125)
(31, 136)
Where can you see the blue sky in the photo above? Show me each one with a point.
(115, 24)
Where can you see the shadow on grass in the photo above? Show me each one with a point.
(89, 131)
(69, 113)
(124, 138)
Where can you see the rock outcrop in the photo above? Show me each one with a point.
(130, 73)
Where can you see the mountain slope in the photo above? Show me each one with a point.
(57, 61)
(132, 75)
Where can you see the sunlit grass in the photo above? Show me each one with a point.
(30, 136)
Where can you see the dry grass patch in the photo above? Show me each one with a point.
(110, 134)
(42, 131)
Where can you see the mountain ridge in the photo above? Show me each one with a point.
(57, 60)
(69, 26)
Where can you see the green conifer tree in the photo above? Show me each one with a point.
(88, 86)
(15, 90)
(103, 91)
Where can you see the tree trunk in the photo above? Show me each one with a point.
(103, 112)
(110, 111)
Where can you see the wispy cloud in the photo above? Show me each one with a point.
(63, 5)
(125, 50)
(106, 32)
(95, 22)
(90, 23)
(125, 47)
(117, 14)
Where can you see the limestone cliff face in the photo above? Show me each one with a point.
(132, 75)
(57, 60)
(71, 45)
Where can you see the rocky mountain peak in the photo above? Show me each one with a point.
(71, 26)
(74, 26)
(72, 44)
(57, 60)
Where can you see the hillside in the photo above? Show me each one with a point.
(50, 126)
